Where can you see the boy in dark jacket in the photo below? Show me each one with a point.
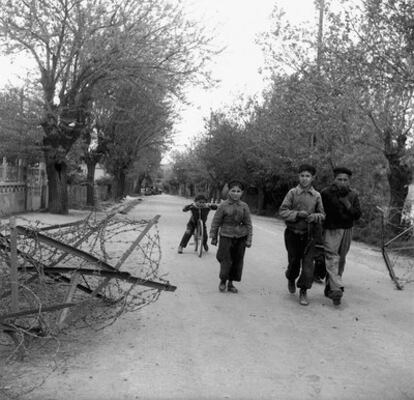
(198, 209)
(342, 209)
(232, 229)
(303, 213)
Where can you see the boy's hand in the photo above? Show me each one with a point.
(214, 242)
(315, 218)
(302, 214)
(345, 202)
(248, 244)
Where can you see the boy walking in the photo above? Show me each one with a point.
(342, 210)
(233, 223)
(199, 209)
(303, 213)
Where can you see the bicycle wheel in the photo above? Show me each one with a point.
(200, 234)
(196, 238)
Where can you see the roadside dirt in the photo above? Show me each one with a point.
(197, 343)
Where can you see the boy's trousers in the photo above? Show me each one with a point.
(336, 243)
(230, 255)
(189, 232)
(302, 250)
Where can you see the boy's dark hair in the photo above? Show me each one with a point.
(308, 168)
(342, 170)
(236, 182)
(200, 197)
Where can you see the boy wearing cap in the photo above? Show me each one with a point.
(198, 209)
(301, 208)
(342, 210)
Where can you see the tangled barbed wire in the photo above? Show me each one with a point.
(84, 273)
(397, 244)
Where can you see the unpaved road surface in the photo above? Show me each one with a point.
(197, 343)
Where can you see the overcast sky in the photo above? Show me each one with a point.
(236, 24)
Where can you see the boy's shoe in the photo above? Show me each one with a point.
(222, 286)
(336, 297)
(292, 287)
(231, 288)
(180, 250)
(205, 246)
(303, 299)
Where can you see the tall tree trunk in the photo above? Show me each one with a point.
(119, 184)
(399, 179)
(211, 190)
(90, 179)
(57, 143)
(399, 176)
(260, 199)
(137, 185)
(58, 190)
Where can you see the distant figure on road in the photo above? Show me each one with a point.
(198, 209)
(342, 209)
(232, 222)
(303, 213)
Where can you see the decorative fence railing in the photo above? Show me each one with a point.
(22, 188)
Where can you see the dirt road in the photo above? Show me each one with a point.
(197, 343)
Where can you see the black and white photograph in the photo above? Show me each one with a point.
(206, 200)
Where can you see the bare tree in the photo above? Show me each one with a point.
(78, 44)
(141, 120)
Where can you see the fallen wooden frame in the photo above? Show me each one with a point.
(94, 260)
(384, 252)
(99, 268)
(12, 330)
(59, 226)
(37, 264)
(112, 274)
(34, 311)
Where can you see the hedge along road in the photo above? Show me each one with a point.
(197, 343)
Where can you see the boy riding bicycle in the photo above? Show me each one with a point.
(199, 209)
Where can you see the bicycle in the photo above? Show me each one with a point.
(199, 235)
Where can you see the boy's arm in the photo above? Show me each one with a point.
(319, 214)
(355, 208)
(349, 205)
(332, 205)
(286, 210)
(248, 222)
(188, 207)
(215, 224)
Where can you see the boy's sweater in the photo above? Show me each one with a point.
(341, 209)
(233, 220)
(300, 199)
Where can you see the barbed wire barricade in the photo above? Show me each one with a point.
(84, 273)
(397, 245)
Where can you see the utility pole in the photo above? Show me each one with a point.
(319, 53)
(320, 35)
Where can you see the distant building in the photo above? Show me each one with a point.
(99, 171)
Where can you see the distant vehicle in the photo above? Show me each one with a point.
(151, 190)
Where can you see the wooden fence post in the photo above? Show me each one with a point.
(13, 266)
(68, 298)
(4, 175)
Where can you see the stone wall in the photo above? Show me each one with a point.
(12, 198)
